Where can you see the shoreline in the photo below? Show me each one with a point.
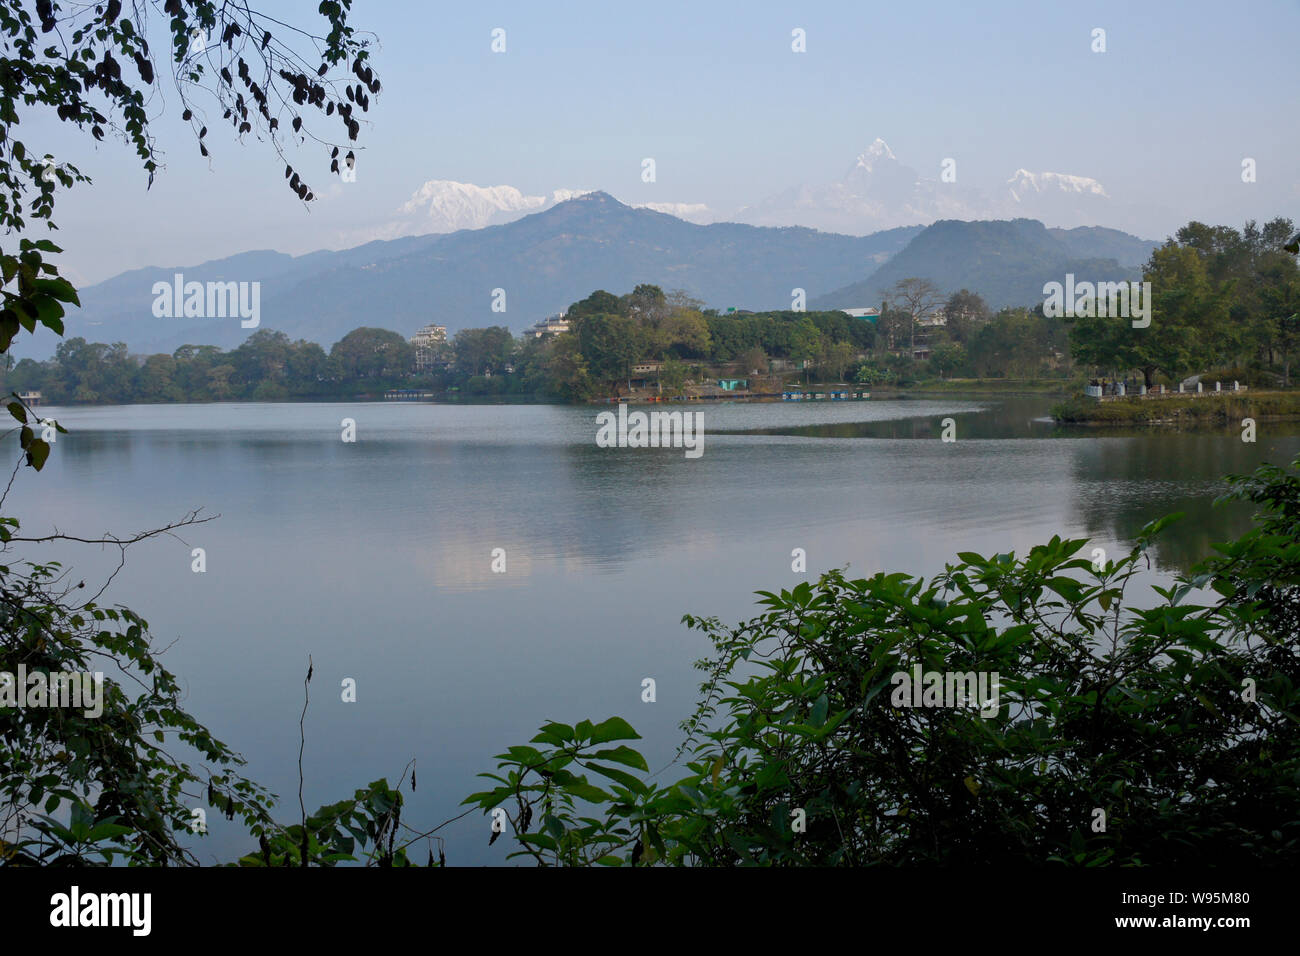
(1209, 409)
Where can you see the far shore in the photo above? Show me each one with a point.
(1210, 408)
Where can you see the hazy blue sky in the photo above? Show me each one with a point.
(713, 92)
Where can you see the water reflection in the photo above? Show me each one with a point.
(376, 557)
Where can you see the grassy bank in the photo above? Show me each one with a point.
(993, 386)
(1208, 409)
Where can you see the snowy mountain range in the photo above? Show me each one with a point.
(877, 192)
(442, 205)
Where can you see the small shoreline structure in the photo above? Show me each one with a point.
(1115, 391)
(789, 393)
(1164, 406)
(825, 393)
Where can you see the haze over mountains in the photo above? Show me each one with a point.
(878, 191)
(549, 259)
(543, 262)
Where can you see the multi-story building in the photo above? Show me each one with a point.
(551, 325)
(429, 343)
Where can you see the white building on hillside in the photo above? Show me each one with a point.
(551, 325)
(429, 344)
(870, 314)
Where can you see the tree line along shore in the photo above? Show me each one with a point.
(1225, 305)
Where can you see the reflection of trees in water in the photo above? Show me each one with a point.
(1122, 484)
(1004, 418)
(1121, 479)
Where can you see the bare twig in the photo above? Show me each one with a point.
(302, 744)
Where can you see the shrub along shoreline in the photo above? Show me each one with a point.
(1208, 409)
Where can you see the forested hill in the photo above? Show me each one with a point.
(1008, 261)
(542, 262)
(547, 260)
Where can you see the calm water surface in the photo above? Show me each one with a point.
(375, 557)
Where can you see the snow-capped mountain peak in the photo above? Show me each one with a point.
(873, 154)
(564, 195)
(880, 191)
(1023, 182)
(444, 205)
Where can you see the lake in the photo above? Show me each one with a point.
(375, 557)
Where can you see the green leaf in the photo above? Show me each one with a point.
(541, 840)
(37, 452)
(620, 776)
(105, 831)
(81, 813)
(528, 756)
(60, 289)
(1155, 527)
(554, 733)
(623, 754)
(819, 708)
(588, 792)
(48, 310)
(615, 728)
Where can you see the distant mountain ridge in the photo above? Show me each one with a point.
(543, 262)
(1097, 242)
(1006, 261)
(549, 259)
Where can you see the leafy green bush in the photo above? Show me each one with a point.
(79, 788)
